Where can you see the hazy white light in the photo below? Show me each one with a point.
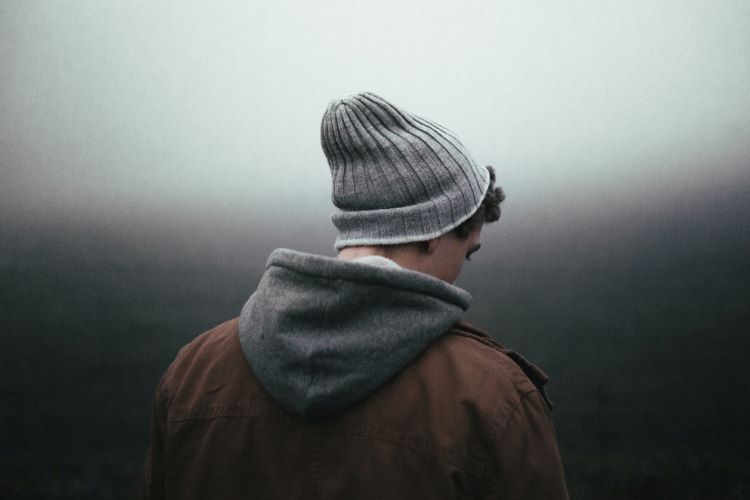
(217, 106)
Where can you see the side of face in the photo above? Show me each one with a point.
(445, 256)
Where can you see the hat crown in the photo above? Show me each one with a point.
(397, 177)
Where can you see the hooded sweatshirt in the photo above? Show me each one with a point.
(323, 333)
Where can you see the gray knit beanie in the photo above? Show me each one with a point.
(397, 177)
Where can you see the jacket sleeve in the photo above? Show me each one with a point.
(152, 481)
(525, 454)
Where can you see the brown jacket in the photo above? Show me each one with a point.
(465, 419)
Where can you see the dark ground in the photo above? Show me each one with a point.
(641, 319)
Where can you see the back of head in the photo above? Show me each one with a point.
(397, 177)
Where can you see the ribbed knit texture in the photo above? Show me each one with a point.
(397, 177)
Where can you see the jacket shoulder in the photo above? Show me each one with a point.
(525, 376)
(211, 369)
(214, 340)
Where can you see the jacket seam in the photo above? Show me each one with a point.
(347, 432)
(516, 409)
(417, 450)
(487, 342)
(216, 417)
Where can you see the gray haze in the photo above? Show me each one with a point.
(193, 109)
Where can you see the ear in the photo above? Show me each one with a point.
(432, 245)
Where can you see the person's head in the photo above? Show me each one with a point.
(444, 256)
(405, 187)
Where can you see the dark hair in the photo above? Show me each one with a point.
(488, 211)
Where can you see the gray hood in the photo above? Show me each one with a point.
(322, 333)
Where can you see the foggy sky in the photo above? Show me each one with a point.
(193, 106)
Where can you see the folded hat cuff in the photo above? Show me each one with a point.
(393, 226)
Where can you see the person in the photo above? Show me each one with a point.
(355, 376)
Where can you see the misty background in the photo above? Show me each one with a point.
(152, 154)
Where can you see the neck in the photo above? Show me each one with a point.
(351, 253)
(407, 256)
